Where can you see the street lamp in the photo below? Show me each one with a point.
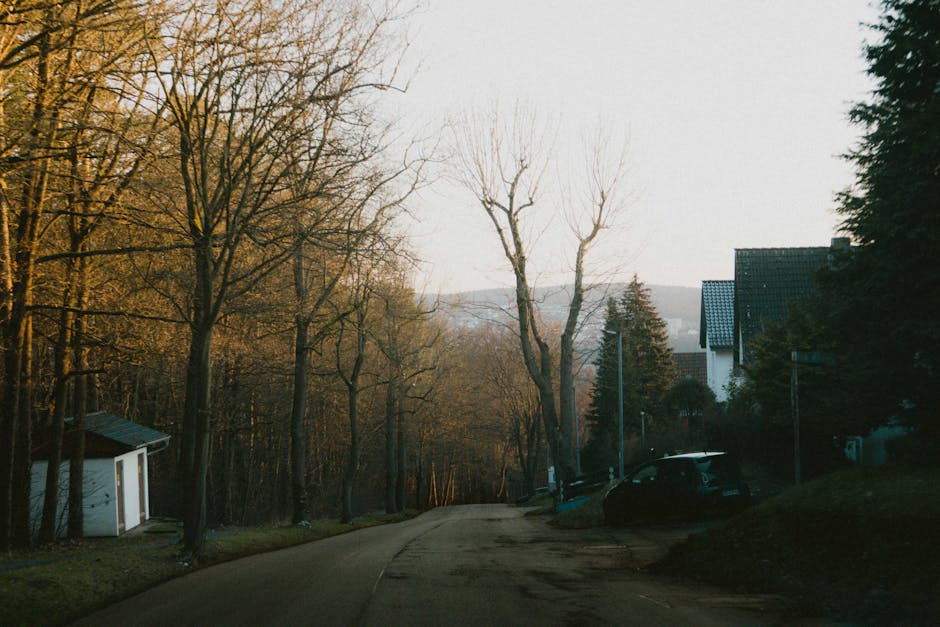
(643, 430)
(620, 402)
(808, 358)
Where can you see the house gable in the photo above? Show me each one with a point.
(766, 282)
(691, 366)
(717, 323)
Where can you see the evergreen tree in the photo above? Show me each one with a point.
(601, 448)
(648, 373)
(883, 299)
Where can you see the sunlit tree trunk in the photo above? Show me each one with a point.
(47, 529)
(76, 516)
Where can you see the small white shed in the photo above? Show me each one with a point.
(872, 449)
(116, 475)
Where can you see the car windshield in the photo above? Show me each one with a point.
(719, 468)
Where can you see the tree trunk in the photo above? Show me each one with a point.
(14, 343)
(352, 462)
(566, 389)
(419, 477)
(298, 431)
(11, 355)
(391, 472)
(47, 529)
(401, 486)
(196, 438)
(198, 404)
(22, 462)
(566, 401)
(76, 522)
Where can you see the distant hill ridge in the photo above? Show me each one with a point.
(679, 306)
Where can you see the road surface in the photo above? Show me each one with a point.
(467, 565)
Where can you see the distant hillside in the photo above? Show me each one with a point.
(678, 306)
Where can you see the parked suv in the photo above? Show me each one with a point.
(691, 484)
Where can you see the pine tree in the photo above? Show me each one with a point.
(648, 373)
(601, 448)
(883, 301)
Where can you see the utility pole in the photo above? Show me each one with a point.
(620, 401)
(795, 409)
(643, 430)
(577, 429)
(808, 358)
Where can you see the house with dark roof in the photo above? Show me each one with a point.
(716, 335)
(767, 281)
(690, 366)
(116, 482)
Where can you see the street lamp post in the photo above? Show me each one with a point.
(577, 429)
(643, 430)
(807, 358)
(620, 402)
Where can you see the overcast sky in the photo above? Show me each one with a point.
(736, 114)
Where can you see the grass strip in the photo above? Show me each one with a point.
(860, 544)
(71, 579)
(588, 514)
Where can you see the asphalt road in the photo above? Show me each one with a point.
(468, 565)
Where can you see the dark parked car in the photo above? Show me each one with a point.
(691, 484)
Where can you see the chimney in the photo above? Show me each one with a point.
(839, 248)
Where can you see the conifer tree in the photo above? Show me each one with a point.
(648, 373)
(601, 448)
(883, 298)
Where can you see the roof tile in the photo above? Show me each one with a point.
(717, 325)
(767, 280)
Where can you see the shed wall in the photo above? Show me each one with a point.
(100, 502)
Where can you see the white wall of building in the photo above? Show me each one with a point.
(719, 364)
(100, 494)
(37, 494)
(100, 504)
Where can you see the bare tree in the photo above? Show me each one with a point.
(53, 51)
(515, 399)
(353, 326)
(407, 341)
(240, 79)
(502, 163)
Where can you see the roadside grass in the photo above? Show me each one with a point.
(70, 579)
(588, 514)
(860, 544)
(539, 505)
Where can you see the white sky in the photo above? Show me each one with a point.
(736, 112)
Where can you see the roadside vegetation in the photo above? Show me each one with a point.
(589, 513)
(70, 579)
(860, 544)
